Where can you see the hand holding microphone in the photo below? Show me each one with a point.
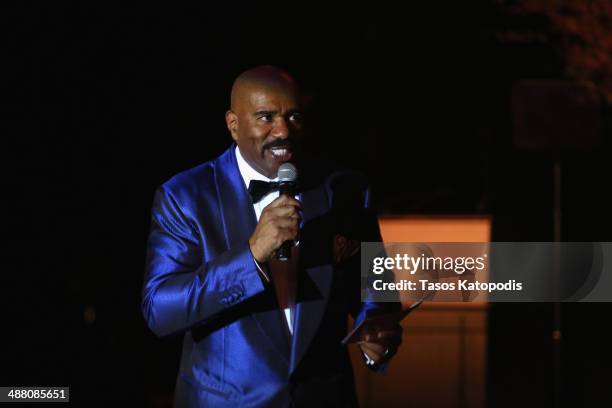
(279, 223)
(287, 177)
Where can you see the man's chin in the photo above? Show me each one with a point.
(269, 169)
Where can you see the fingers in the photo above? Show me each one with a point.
(282, 225)
(382, 345)
(279, 222)
(285, 200)
(283, 207)
(286, 211)
(374, 348)
(386, 338)
(287, 233)
(375, 351)
(389, 335)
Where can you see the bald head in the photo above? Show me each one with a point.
(265, 119)
(265, 77)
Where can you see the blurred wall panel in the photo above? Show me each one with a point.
(442, 359)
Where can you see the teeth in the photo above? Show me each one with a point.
(279, 152)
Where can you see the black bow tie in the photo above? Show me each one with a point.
(259, 189)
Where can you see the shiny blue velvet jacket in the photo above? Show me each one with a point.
(201, 281)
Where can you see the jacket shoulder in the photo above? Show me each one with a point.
(191, 182)
(190, 178)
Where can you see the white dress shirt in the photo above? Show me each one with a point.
(248, 173)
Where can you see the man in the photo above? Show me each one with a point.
(259, 332)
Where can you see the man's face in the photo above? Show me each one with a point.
(266, 123)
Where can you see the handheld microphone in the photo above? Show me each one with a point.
(287, 178)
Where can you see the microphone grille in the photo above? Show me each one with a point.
(287, 172)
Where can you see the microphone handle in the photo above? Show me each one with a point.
(284, 252)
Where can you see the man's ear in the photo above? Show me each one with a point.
(231, 120)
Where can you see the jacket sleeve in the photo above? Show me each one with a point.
(180, 290)
(355, 220)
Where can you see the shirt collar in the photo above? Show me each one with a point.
(247, 172)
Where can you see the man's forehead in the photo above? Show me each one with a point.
(270, 96)
(266, 99)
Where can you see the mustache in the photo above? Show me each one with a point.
(280, 143)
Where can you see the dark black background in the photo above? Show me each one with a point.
(106, 102)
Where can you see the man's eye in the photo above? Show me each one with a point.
(295, 117)
(266, 118)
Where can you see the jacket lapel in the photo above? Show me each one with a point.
(315, 279)
(239, 221)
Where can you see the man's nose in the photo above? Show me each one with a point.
(281, 128)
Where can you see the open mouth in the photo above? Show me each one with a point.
(281, 154)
